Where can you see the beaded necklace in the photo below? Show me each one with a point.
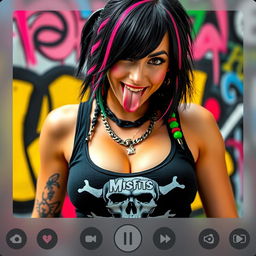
(176, 131)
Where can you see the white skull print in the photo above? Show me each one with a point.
(131, 197)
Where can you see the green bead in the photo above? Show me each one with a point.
(173, 115)
(174, 124)
(177, 135)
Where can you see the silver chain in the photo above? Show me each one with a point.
(128, 142)
(94, 122)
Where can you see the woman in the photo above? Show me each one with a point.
(133, 150)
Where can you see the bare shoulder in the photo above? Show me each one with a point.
(61, 121)
(200, 123)
(196, 117)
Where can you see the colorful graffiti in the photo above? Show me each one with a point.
(45, 54)
(219, 60)
(52, 34)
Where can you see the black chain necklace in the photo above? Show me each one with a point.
(126, 123)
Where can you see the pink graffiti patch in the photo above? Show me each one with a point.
(55, 34)
(214, 107)
(213, 40)
(68, 209)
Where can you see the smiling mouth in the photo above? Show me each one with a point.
(133, 88)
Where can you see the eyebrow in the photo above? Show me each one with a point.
(157, 53)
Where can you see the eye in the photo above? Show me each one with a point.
(144, 197)
(156, 61)
(117, 198)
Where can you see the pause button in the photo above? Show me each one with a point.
(127, 238)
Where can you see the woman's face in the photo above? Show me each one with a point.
(133, 82)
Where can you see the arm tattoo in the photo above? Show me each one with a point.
(48, 207)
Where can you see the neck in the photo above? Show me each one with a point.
(120, 112)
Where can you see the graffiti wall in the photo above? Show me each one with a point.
(45, 55)
(218, 55)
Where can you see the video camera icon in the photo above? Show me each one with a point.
(90, 239)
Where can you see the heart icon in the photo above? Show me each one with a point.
(47, 238)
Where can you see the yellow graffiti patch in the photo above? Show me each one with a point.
(43, 113)
(235, 62)
(22, 184)
(229, 163)
(34, 157)
(64, 90)
(199, 82)
(197, 204)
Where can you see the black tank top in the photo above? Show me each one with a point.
(166, 190)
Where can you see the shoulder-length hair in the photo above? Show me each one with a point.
(132, 29)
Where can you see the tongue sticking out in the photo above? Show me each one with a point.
(131, 100)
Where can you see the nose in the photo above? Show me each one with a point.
(131, 208)
(137, 74)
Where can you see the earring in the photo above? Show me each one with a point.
(167, 81)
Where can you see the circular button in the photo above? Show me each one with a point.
(47, 238)
(164, 238)
(209, 238)
(128, 238)
(239, 238)
(16, 238)
(91, 238)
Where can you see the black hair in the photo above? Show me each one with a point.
(132, 29)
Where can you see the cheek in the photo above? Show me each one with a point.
(158, 78)
(117, 71)
(114, 69)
